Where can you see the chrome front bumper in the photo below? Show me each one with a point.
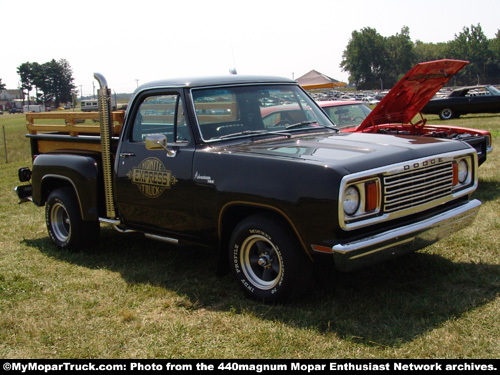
(403, 240)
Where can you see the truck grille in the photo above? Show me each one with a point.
(413, 188)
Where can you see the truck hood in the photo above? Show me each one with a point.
(412, 92)
(352, 152)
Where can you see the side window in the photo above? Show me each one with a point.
(161, 114)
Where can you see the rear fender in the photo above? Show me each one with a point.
(80, 172)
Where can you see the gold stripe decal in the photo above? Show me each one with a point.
(151, 177)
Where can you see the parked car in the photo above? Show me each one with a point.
(472, 99)
(396, 111)
(15, 110)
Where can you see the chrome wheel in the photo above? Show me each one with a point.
(64, 221)
(446, 114)
(261, 262)
(267, 260)
(61, 225)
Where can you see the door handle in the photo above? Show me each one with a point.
(126, 154)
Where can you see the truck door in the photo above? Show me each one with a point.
(154, 187)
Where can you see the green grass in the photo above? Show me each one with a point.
(12, 130)
(135, 298)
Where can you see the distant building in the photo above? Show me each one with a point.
(9, 95)
(10, 99)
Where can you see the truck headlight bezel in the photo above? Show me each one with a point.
(361, 198)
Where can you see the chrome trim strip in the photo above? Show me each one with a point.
(456, 218)
(161, 238)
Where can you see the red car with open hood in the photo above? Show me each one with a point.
(396, 112)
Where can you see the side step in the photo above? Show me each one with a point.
(116, 224)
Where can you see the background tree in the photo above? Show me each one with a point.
(52, 80)
(60, 80)
(493, 65)
(372, 59)
(430, 51)
(25, 73)
(37, 75)
(365, 57)
(2, 85)
(401, 54)
(471, 44)
(495, 46)
(375, 61)
(40, 80)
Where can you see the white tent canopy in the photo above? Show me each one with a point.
(316, 80)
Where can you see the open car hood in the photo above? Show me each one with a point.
(412, 92)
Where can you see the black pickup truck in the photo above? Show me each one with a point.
(206, 161)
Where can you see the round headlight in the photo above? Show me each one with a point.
(463, 171)
(351, 200)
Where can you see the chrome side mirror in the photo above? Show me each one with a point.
(158, 142)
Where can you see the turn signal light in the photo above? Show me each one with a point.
(372, 194)
(455, 173)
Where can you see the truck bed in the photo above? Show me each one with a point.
(52, 131)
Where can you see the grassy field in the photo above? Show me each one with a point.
(135, 298)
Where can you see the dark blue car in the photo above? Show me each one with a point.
(473, 99)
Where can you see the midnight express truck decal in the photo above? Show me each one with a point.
(151, 177)
(202, 161)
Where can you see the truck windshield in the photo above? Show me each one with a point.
(255, 110)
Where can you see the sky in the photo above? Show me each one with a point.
(133, 42)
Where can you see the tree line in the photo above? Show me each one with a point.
(374, 61)
(52, 81)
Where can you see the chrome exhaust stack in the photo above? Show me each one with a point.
(106, 121)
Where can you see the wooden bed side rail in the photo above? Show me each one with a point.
(72, 123)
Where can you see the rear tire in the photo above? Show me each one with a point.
(64, 223)
(446, 114)
(267, 260)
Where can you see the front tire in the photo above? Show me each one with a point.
(64, 223)
(267, 260)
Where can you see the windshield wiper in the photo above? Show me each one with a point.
(253, 132)
(299, 124)
(303, 123)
